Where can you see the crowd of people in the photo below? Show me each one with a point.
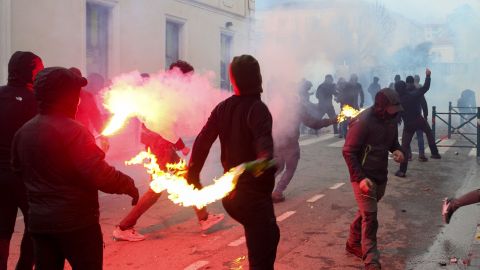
(52, 169)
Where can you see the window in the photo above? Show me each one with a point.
(172, 42)
(225, 58)
(97, 38)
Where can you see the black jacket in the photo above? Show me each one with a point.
(325, 92)
(411, 99)
(17, 102)
(63, 169)
(367, 144)
(244, 126)
(350, 95)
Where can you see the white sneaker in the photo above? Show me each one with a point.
(211, 220)
(130, 235)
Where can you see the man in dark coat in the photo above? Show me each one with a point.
(372, 135)
(324, 94)
(17, 106)
(411, 98)
(63, 170)
(244, 125)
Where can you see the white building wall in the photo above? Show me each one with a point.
(56, 31)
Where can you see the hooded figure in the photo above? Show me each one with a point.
(324, 94)
(17, 106)
(63, 170)
(371, 136)
(411, 98)
(244, 125)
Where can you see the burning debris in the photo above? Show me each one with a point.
(347, 112)
(181, 192)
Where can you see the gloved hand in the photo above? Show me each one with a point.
(133, 192)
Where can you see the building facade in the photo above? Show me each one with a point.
(115, 36)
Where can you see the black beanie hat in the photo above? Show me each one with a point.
(55, 85)
(245, 71)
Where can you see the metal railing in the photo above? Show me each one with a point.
(468, 119)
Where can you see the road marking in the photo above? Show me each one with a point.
(316, 140)
(285, 215)
(196, 265)
(445, 145)
(337, 144)
(473, 152)
(237, 242)
(337, 185)
(315, 198)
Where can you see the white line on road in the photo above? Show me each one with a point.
(473, 152)
(315, 140)
(237, 242)
(196, 265)
(285, 215)
(337, 185)
(445, 145)
(315, 198)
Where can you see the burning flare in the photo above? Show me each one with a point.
(347, 112)
(180, 192)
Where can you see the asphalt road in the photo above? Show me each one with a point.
(313, 234)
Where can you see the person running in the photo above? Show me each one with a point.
(166, 152)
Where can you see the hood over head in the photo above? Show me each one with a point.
(387, 104)
(57, 91)
(22, 69)
(245, 75)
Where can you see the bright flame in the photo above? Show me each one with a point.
(347, 112)
(164, 102)
(115, 124)
(174, 182)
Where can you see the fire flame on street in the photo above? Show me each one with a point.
(347, 112)
(179, 191)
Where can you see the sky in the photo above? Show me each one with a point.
(426, 11)
(422, 11)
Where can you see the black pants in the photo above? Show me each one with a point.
(330, 111)
(256, 214)
(408, 130)
(82, 248)
(12, 197)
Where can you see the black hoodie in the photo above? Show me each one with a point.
(17, 102)
(244, 125)
(57, 157)
(371, 135)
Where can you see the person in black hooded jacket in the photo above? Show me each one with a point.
(17, 106)
(244, 125)
(372, 134)
(411, 98)
(63, 170)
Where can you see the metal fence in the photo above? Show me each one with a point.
(467, 120)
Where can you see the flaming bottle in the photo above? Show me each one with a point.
(259, 166)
